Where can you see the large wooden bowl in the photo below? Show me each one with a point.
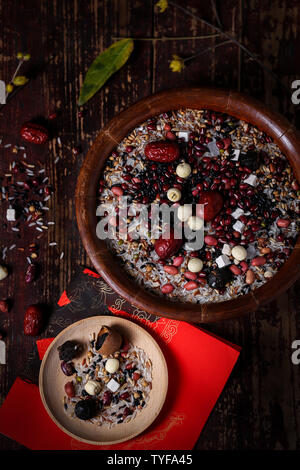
(236, 104)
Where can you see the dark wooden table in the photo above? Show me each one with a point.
(260, 406)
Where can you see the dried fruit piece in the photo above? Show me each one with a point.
(34, 133)
(86, 409)
(33, 320)
(213, 203)
(166, 247)
(250, 160)
(125, 345)
(162, 151)
(4, 307)
(68, 350)
(108, 341)
(218, 279)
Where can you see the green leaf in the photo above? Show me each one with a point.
(107, 63)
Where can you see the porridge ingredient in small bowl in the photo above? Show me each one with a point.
(111, 384)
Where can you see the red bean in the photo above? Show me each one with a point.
(117, 191)
(170, 135)
(244, 266)
(167, 288)
(258, 261)
(227, 142)
(136, 180)
(191, 285)
(235, 269)
(284, 223)
(178, 260)
(211, 241)
(190, 275)
(171, 270)
(69, 389)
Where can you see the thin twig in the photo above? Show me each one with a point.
(19, 88)
(14, 75)
(207, 50)
(231, 38)
(166, 38)
(215, 11)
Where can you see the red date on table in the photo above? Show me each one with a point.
(33, 320)
(34, 133)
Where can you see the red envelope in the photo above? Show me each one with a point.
(199, 365)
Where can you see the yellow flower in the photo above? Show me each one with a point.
(20, 80)
(9, 88)
(177, 64)
(162, 5)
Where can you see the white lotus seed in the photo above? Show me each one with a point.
(184, 212)
(112, 365)
(195, 265)
(174, 195)
(239, 252)
(268, 274)
(92, 387)
(183, 170)
(3, 272)
(195, 223)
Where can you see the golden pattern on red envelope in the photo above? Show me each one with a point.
(118, 303)
(175, 419)
(170, 329)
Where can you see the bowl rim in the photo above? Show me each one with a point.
(56, 340)
(239, 105)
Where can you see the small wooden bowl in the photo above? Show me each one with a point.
(236, 104)
(52, 381)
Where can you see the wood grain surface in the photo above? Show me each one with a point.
(260, 405)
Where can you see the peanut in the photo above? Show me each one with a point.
(250, 276)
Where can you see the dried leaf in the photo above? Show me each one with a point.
(107, 63)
